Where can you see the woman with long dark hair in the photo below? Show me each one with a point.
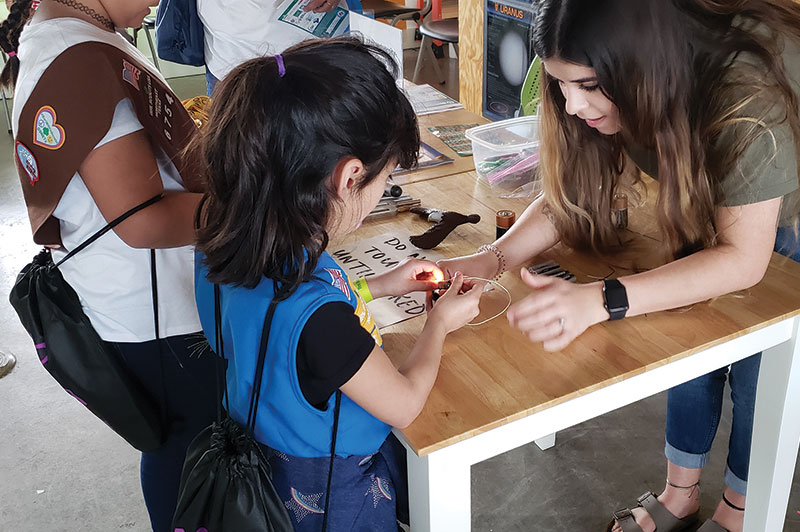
(702, 95)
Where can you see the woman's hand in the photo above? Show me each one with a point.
(411, 275)
(455, 309)
(557, 311)
(320, 6)
(483, 265)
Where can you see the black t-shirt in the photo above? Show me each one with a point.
(332, 348)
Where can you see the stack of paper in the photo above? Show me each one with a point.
(426, 100)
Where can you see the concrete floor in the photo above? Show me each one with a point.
(63, 470)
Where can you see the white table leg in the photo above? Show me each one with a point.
(547, 442)
(439, 493)
(776, 434)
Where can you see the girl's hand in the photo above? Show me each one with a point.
(539, 316)
(483, 265)
(411, 275)
(453, 309)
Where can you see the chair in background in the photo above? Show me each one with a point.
(5, 98)
(531, 89)
(383, 9)
(149, 26)
(446, 31)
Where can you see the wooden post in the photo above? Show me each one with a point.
(470, 58)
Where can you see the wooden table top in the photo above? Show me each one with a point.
(459, 164)
(491, 374)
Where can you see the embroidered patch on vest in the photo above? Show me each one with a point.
(46, 131)
(28, 162)
(131, 74)
(366, 320)
(337, 280)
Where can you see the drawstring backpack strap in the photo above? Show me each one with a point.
(112, 224)
(154, 292)
(333, 454)
(262, 356)
(222, 379)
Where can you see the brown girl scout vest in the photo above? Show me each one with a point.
(71, 110)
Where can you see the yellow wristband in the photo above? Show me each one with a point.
(363, 289)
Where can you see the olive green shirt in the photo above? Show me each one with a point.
(768, 167)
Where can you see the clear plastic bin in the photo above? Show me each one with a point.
(506, 153)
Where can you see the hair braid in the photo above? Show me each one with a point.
(10, 31)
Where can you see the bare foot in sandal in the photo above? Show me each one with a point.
(730, 511)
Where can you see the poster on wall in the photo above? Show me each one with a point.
(508, 54)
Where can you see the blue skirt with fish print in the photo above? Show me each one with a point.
(368, 493)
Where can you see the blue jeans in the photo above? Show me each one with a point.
(693, 408)
(211, 82)
(182, 380)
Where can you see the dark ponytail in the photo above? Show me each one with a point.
(10, 31)
(279, 128)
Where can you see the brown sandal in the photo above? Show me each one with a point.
(663, 518)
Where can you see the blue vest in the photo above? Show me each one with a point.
(286, 421)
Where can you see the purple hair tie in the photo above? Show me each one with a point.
(281, 65)
(12, 54)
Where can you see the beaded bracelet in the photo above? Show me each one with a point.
(363, 289)
(501, 259)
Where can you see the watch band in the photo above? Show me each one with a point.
(615, 299)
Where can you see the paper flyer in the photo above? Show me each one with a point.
(328, 24)
(426, 100)
(386, 36)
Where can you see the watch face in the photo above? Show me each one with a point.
(616, 299)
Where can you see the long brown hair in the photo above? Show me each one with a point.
(10, 30)
(676, 70)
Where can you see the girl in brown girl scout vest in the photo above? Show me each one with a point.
(98, 132)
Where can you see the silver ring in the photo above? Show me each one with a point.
(561, 322)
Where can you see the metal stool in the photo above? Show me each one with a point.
(445, 30)
(5, 99)
(148, 25)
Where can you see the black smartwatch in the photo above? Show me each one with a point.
(615, 299)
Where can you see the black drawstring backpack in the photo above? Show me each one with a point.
(226, 483)
(72, 352)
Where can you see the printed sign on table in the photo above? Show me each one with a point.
(376, 255)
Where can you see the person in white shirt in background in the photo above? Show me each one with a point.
(236, 31)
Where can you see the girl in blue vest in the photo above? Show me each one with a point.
(300, 152)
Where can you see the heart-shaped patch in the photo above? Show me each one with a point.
(47, 132)
(28, 162)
